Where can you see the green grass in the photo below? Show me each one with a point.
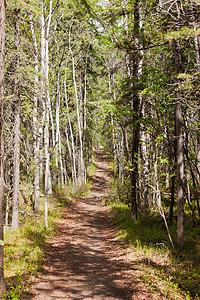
(84, 189)
(92, 168)
(147, 237)
(24, 248)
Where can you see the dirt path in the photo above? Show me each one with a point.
(85, 261)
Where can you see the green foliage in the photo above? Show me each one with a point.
(146, 231)
(183, 33)
(25, 248)
(147, 238)
(81, 190)
(120, 191)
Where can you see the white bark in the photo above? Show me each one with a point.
(72, 138)
(36, 135)
(112, 123)
(81, 159)
(81, 175)
(70, 156)
(16, 162)
(145, 169)
(46, 97)
(58, 151)
(45, 28)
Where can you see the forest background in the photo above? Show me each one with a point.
(122, 74)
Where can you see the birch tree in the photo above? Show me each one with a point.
(36, 126)
(45, 29)
(15, 212)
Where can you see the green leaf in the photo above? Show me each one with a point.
(1, 243)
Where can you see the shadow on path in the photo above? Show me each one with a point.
(84, 261)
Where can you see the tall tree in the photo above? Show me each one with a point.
(16, 170)
(36, 126)
(2, 60)
(180, 154)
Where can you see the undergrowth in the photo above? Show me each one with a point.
(24, 249)
(163, 271)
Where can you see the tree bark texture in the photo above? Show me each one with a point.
(73, 162)
(81, 159)
(46, 99)
(2, 64)
(180, 153)
(36, 134)
(180, 176)
(15, 211)
(135, 115)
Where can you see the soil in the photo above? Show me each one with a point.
(85, 260)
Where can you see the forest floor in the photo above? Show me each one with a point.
(86, 260)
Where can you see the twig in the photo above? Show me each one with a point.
(28, 213)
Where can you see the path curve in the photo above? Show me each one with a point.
(85, 261)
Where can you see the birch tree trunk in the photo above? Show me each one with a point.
(145, 171)
(45, 28)
(15, 211)
(81, 163)
(117, 139)
(85, 116)
(180, 176)
(2, 63)
(112, 123)
(72, 138)
(36, 134)
(135, 119)
(48, 184)
(58, 152)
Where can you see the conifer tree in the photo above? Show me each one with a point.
(2, 63)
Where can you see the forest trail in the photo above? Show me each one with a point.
(85, 260)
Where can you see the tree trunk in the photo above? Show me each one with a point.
(85, 118)
(172, 202)
(36, 135)
(112, 124)
(45, 28)
(15, 211)
(180, 175)
(81, 159)
(196, 25)
(72, 138)
(134, 172)
(135, 64)
(2, 60)
(172, 157)
(179, 154)
(145, 169)
(58, 151)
